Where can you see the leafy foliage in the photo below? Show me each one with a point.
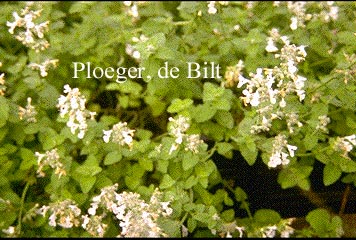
(149, 151)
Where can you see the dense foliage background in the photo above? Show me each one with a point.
(83, 156)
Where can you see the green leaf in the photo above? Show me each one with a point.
(28, 159)
(166, 182)
(86, 183)
(267, 217)
(112, 157)
(211, 92)
(240, 194)
(225, 149)
(331, 174)
(188, 163)
(249, 150)
(4, 111)
(228, 215)
(190, 182)
(225, 119)
(48, 137)
(319, 220)
(178, 105)
(202, 112)
(89, 168)
(310, 141)
(191, 224)
(156, 104)
(146, 164)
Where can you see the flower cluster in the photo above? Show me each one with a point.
(43, 67)
(10, 231)
(2, 83)
(227, 229)
(300, 16)
(137, 218)
(323, 122)
(232, 74)
(132, 9)
(120, 134)
(268, 88)
(212, 7)
(94, 225)
(73, 106)
(131, 49)
(281, 151)
(29, 112)
(64, 214)
(177, 128)
(31, 34)
(52, 159)
(282, 229)
(345, 144)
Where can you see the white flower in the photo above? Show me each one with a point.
(270, 45)
(279, 155)
(107, 135)
(73, 106)
(30, 34)
(120, 134)
(294, 24)
(52, 159)
(29, 112)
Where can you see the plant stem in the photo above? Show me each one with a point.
(22, 206)
(243, 203)
(211, 152)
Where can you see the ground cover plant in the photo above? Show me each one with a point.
(112, 113)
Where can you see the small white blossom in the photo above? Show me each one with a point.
(279, 155)
(345, 144)
(64, 214)
(29, 112)
(29, 33)
(10, 231)
(177, 128)
(94, 225)
(270, 45)
(120, 134)
(269, 231)
(52, 159)
(294, 24)
(43, 67)
(137, 217)
(2, 83)
(323, 122)
(73, 107)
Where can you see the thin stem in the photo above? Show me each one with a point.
(181, 23)
(211, 152)
(344, 199)
(243, 203)
(22, 206)
(312, 153)
(183, 219)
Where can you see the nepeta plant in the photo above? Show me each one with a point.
(96, 157)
